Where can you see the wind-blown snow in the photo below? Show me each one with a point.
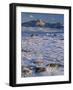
(42, 54)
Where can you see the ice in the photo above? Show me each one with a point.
(45, 50)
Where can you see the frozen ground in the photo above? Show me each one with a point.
(42, 55)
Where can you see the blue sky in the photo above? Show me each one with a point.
(48, 17)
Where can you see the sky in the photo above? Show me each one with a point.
(48, 17)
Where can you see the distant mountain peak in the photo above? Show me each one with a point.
(42, 23)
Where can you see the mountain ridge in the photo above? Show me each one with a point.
(41, 23)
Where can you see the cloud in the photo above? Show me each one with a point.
(31, 16)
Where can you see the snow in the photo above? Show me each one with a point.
(46, 48)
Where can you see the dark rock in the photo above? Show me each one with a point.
(40, 69)
(62, 39)
(38, 62)
(53, 65)
(25, 50)
(26, 72)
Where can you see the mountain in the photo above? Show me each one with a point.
(41, 23)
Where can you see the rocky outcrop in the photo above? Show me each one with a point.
(26, 72)
(40, 69)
